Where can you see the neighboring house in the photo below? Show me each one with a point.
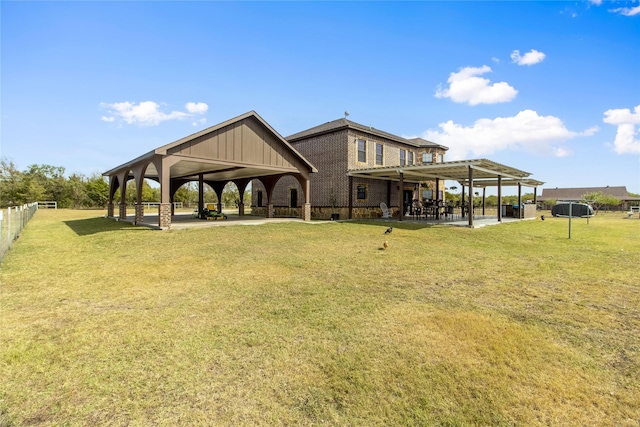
(342, 146)
(576, 195)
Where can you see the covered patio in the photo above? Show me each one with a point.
(469, 174)
(238, 150)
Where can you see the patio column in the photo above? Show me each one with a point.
(437, 198)
(122, 213)
(520, 207)
(110, 210)
(499, 198)
(470, 196)
(164, 208)
(139, 213)
(350, 215)
(200, 194)
(401, 198)
(306, 209)
(164, 215)
(484, 200)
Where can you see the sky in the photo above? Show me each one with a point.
(551, 88)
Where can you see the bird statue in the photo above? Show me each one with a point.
(389, 230)
(385, 244)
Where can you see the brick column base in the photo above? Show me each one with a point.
(110, 209)
(164, 215)
(270, 212)
(139, 214)
(306, 212)
(241, 209)
(122, 213)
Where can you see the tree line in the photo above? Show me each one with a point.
(38, 183)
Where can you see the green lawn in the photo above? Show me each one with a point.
(104, 323)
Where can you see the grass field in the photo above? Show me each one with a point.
(104, 323)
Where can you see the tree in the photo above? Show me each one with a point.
(597, 200)
(52, 179)
(97, 190)
(76, 191)
(12, 185)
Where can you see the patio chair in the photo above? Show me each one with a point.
(386, 212)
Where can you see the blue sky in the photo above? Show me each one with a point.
(552, 88)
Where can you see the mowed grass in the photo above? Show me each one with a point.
(104, 323)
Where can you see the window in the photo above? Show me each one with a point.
(410, 160)
(259, 198)
(293, 199)
(362, 150)
(440, 158)
(361, 192)
(379, 158)
(403, 157)
(427, 158)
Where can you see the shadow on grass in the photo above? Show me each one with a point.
(400, 225)
(85, 227)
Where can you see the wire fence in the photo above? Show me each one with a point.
(12, 221)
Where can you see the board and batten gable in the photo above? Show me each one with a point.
(246, 141)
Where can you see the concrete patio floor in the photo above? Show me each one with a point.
(185, 220)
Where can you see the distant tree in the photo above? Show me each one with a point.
(97, 190)
(12, 185)
(51, 179)
(187, 194)
(76, 189)
(598, 200)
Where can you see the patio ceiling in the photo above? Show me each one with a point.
(485, 173)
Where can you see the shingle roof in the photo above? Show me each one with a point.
(576, 193)
(340, 124)
(424, 143)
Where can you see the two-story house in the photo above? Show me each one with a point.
(342, 146)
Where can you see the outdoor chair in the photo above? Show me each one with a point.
(386, 212)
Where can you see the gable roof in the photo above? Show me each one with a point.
(576, 193)
(244, 146)
(341, 124)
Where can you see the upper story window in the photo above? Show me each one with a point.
(362, 150)
(379, 156)
(410, 158)
(440, 158)
(427, 158)
(403, 157)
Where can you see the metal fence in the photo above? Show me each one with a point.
(12, 221)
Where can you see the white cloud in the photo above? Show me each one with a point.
(628, 123)
(526, 131)
(196, 107)
(148, 113)
(627, 11)
(530, 58)
(466, 86)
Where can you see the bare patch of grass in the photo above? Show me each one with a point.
(280, 324)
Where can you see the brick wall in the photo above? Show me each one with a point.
(334, 154)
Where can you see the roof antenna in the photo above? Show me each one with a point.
(346, 113)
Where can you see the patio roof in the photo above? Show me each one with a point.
(485, 173)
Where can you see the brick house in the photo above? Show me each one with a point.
(552, 195)
(337, 148)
